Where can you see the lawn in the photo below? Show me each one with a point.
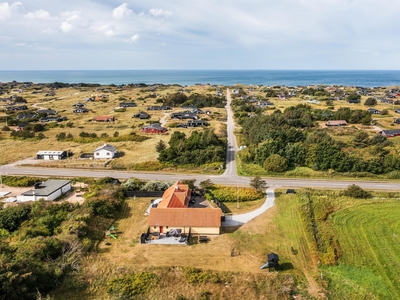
(370, 263)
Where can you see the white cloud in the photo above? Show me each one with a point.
(158, 12)
(133, 39)
(107, 29)
(121, 11)
(40, 14)
(20, 45)
(7, 9)
(72, 23)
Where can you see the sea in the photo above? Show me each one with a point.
(359, 78)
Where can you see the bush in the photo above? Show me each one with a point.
(156, 186)
(194, 275)
(20, 181)
(370, 102)
(275, 163)
(131, 285)
(230, 194)
(356, 191)
(133, 184)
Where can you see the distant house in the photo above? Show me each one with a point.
(374, 111)
(15, 108)
(155, 107)
(390, 133)
(154, 128)
(397, 121)
(336, 123)
(51, 119)
(81, 110)
(48, 190)
(196, 123)
(397, 111)
(127, 104)
(51, 155)
(79, 104)
(105, 151)
(25, 116)
(265, 104)
(354, 101)
(47, 112)
(184, 115)
(21, 127)
(104, 119)
(141, 115)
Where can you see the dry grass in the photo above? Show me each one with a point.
(136, 152)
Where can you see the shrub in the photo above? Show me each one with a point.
(131, 285)
(275, 163)
(230, 194)
(370, 102)
(156, 186)
(356, 191)
(20, 181)
(133, 184)
(194, 275)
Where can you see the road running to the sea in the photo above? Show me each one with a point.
(229, 177)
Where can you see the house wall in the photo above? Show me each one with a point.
(55, 157)
(103, 154)
(193, 230)
(205, 230)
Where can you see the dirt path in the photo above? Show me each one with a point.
(163, 120)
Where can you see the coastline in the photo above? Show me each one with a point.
(362, 78)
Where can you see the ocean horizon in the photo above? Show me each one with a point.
(363, 78)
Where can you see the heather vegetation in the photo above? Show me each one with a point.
(43, 243)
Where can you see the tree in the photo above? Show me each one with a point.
(206, 184)
(361, 139)
(384, 112)
(356, 191)
(6, 128)
(116, 134)
(275, 163)
(258, 183)
(161, 146)
(40, 136)
(370, 102)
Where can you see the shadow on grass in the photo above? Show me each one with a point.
(285, 266)
(230, 229)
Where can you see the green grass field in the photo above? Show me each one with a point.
(369, 267)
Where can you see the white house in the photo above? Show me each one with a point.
(51, 155)
(48, 190)
(105, 151)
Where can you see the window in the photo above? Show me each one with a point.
(108, 153)
(154, 227)
(166, 227)
(97, 153)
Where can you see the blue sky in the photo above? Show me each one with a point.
(199, 34)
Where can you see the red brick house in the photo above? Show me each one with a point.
(154, 128)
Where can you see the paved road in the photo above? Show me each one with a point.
(230, 170)
(237, 220)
